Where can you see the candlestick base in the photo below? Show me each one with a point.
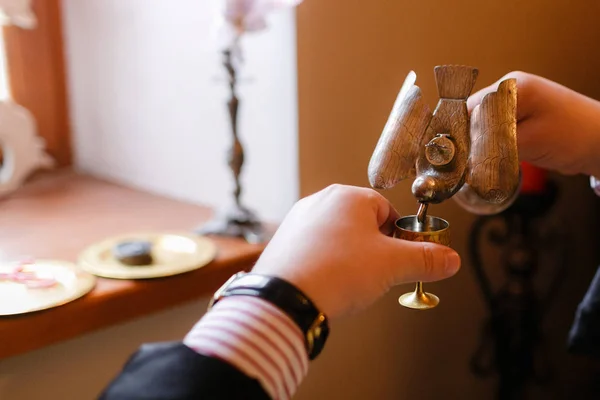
(237, 221)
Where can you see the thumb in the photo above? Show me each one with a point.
(421, 261)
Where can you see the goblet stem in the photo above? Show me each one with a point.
(419, 289)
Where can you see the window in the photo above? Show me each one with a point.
(34, 76)
(4, 90)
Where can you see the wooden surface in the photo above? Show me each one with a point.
(409, 138)
(494, 163)
(36, 74)
(455, 81)
(59, 214)
(434, 183)
(399, 146)
(492, 179)
(447, 148)
(440, 183)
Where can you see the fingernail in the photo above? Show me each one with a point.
(452, 262)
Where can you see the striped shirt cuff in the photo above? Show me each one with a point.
(258, 339)
(595, 183)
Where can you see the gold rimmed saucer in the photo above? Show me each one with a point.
(21, 296)
(172, 254)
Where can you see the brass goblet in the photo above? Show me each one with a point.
(432, 229)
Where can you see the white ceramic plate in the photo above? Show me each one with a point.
(71, 283)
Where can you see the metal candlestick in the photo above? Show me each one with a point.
(237, 221)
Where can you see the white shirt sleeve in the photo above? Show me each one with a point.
(258, 339)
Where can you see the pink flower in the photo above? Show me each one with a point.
(250, 15)
(241, 16)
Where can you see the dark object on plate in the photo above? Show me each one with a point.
(134, 253)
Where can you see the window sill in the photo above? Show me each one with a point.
(57, 215)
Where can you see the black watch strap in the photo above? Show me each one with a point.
(287, 298)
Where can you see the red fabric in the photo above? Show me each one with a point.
(533, 180)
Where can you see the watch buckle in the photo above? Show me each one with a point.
(314, 332)
(217, 295)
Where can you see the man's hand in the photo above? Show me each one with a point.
(557, 129)
(336, 247)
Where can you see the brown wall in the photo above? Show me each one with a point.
(352, 59)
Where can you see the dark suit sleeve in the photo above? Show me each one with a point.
(584, 337)
(169, 371)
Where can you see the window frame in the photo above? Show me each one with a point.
(37, 78)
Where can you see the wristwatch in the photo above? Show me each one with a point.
(285, 296)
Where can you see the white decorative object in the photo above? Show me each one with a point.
(18, 13)
(22, 148)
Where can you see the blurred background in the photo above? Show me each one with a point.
(146, 106)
